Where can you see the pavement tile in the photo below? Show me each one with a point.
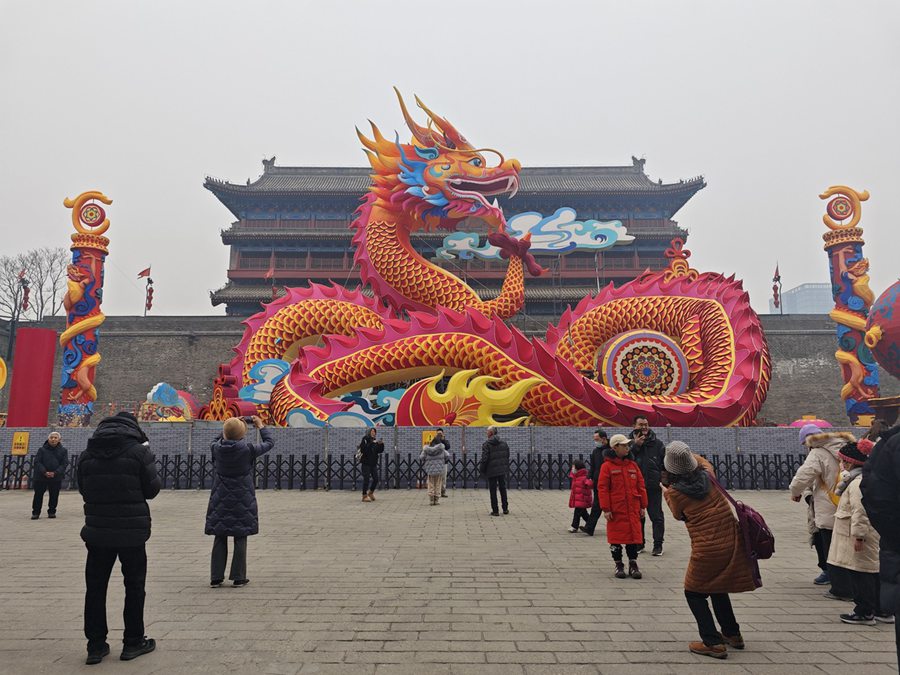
(446, 591)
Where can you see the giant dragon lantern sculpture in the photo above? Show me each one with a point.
(852, 299)
(678, 346)
(84, 294)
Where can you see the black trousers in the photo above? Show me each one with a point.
(655, 513)
(220, 557)
(889, 565)
(631, 550)
(866, 589)
(369, 472)
(40, 487)
(578, 516)
(838, 576)
(721, 605)
(495, 483)
(594, 517)
(100, 562)
(821, 551)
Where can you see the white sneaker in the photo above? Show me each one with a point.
(884, 618)
(573, 529)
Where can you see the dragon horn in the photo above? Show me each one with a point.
(421, 134)
(454, 138)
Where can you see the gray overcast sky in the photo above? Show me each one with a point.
(771, 101)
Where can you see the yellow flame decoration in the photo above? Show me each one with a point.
(473, 400)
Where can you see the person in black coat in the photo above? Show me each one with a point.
(232, 510)
(369, 449)
(649, 452)
(494, 465)
(880, 488)
(116, 477)
(50, 464)
(601, 445)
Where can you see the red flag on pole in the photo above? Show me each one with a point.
(271, 273)
(143, 273)
(777, 276)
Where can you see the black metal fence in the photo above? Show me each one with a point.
(535, 471)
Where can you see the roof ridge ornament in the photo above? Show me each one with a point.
(268, 164)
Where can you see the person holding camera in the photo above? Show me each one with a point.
(50, 464)
(649, 453)
(232, 510)
(369, 449)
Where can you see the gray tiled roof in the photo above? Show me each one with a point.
(535, 180)
(237, 293)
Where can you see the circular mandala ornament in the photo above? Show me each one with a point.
(840, 208)
(92, 214)
(644, 363)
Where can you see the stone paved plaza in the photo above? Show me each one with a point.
(397, 586)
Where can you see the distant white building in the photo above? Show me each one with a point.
(805, 299)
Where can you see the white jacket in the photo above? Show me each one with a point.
(821, 467)
(852, 523)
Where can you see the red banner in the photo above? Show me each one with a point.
(32, 377)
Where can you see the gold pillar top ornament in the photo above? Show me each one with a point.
(89, 220)
(846, 206)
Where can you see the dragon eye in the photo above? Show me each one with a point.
(445, 167)
(476, 161)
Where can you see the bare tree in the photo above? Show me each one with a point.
(45, 270)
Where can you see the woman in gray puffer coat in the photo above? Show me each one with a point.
(435, 455)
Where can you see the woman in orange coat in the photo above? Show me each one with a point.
(719, 564)
(623, 498)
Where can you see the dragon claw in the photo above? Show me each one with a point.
(511, 247)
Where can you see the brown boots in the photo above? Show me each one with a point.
(434, 500)
(368, 496)
(371, 495)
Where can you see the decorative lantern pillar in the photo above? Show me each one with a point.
(852, 300)
(84, 294)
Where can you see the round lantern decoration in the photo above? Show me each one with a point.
(644, 363)
(92, 214)
(883, 330)
(840, 208)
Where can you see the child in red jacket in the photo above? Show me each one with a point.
(581, 497)
(623, 499)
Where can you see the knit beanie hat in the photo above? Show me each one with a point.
(808, 430)
(851, 454)
(679, 460)
(865, 445)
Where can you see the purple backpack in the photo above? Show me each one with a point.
(759, 542)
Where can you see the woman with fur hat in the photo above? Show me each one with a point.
(854, 543)
(820, 474)
(718, 564)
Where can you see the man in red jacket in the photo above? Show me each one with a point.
(623, 499)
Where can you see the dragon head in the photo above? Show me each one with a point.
(439, 176)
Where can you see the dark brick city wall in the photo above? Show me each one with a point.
(185, 352)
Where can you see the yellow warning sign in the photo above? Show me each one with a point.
(428, 436)
(20, 443)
